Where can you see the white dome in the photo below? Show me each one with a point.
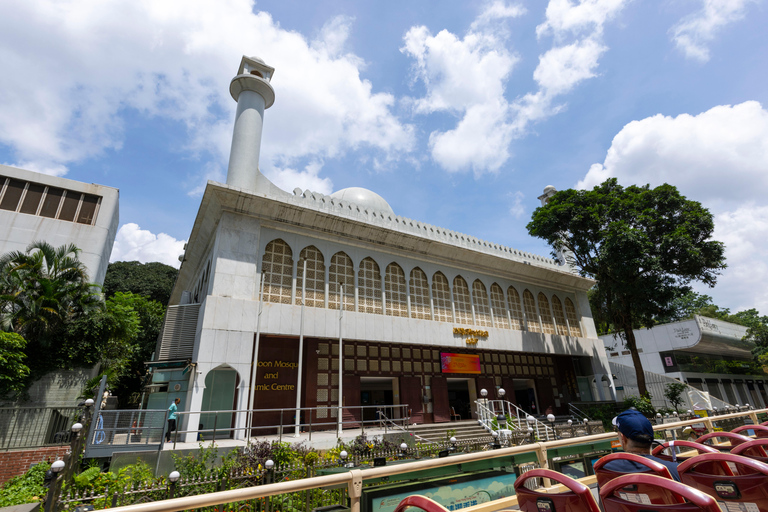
(363, 197)
(549, 188)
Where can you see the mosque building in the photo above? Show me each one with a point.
(273, 283)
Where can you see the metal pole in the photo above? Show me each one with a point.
(255, 358)
(301, 347)
(341, 359)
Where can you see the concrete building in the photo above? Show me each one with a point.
(705, 353)
(37, 207)
(271, 284)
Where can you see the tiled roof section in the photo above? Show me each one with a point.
(321, 202)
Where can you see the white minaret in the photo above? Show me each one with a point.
(254, 94)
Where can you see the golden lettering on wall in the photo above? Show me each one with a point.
(275, 375)
(473, 334)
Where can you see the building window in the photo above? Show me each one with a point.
(546, 315)
(482, 310)
(461, 302)
(441, 295)
(557, 309)
(397, 296)
(340, 273)
(515, 309)
(573, 321)
(277, 272)
(530, 312)
(419, 295)
(500, 319)
(315, 286)
(12, 194)
(369, 287)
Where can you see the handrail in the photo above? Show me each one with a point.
(486, 412)
(287, 416)
(354, 479)
(580, 414)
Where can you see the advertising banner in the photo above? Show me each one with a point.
(459, 363)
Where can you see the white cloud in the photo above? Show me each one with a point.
(719, 158)
(564, 16)
(466, 76)
(288, 179)
(561, 68)
(135, 244)
(70, 69)
(694, 33)
(517, 210)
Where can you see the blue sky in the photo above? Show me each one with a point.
(457, 113)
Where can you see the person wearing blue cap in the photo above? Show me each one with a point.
(636, 436)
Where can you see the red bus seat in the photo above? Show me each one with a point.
(756, 449)
(578, 498)
(682, 498)
(735, 439)
(746, 484)
(422, 502)
(761, 431)
(605, 475)
(684, 445)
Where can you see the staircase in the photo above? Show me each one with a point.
(466, 430)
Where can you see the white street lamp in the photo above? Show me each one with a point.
(269, 464)
(77, 427)
(484, 392)
(174, 476)
(57, 466)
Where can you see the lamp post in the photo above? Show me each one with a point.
(173, 477)
(56, 468)
(341, 360)
(484, 410)
(269, 465)
(403, 450)
(453, 443)
(502, 392)
(530, 419)
(551, 419)
(297, 428)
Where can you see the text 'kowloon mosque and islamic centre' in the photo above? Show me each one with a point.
(428, 317)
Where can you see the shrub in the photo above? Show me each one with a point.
(26, 488)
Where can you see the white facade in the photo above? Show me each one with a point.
(37, 207)
(677, 350)
(414, 294)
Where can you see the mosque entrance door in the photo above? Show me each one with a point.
(376, 391)
(458, 397)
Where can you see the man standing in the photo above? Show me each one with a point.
(172, 419)
(636, 436)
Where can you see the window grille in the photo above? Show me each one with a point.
(44, 201)
(419, 295)
(482, 310)
(500, 319)
(557, 309)
(397, 297)
(461, 301)
(341, 271)
(530, 312)
(515, 308)
(369, 287)
(441, 295)
(546, 315)
(315, 287)
(573, 321)
(277, 272)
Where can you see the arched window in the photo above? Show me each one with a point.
(277, 272)
(315, 286)
(546, 315)
(515, 309)
(482, 310)
(369, 287)
(441, 295)
(557, 308)
(394, 285)
(341, 272)
(573, 321)
(461, 302)
(530, 312)
(500, 319)
(419, 295)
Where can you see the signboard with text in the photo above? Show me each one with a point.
(459, 363)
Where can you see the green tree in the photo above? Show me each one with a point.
(674, 393)
(42, 289)
(643, 246)
(13, 371)
(152, 280)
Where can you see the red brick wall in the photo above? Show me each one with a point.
(17, 462)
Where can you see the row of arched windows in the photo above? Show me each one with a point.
(394, 295)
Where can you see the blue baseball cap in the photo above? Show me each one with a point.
(634, 425)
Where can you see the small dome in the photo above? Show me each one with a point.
(363, 197)
(549, 188)
(258, 59)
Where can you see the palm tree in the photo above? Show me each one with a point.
(42, 289)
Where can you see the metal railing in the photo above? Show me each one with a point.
(355, 479)
(239, 424)
(488, 412)
(125, 430)
(577, 413)
(32, 427)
